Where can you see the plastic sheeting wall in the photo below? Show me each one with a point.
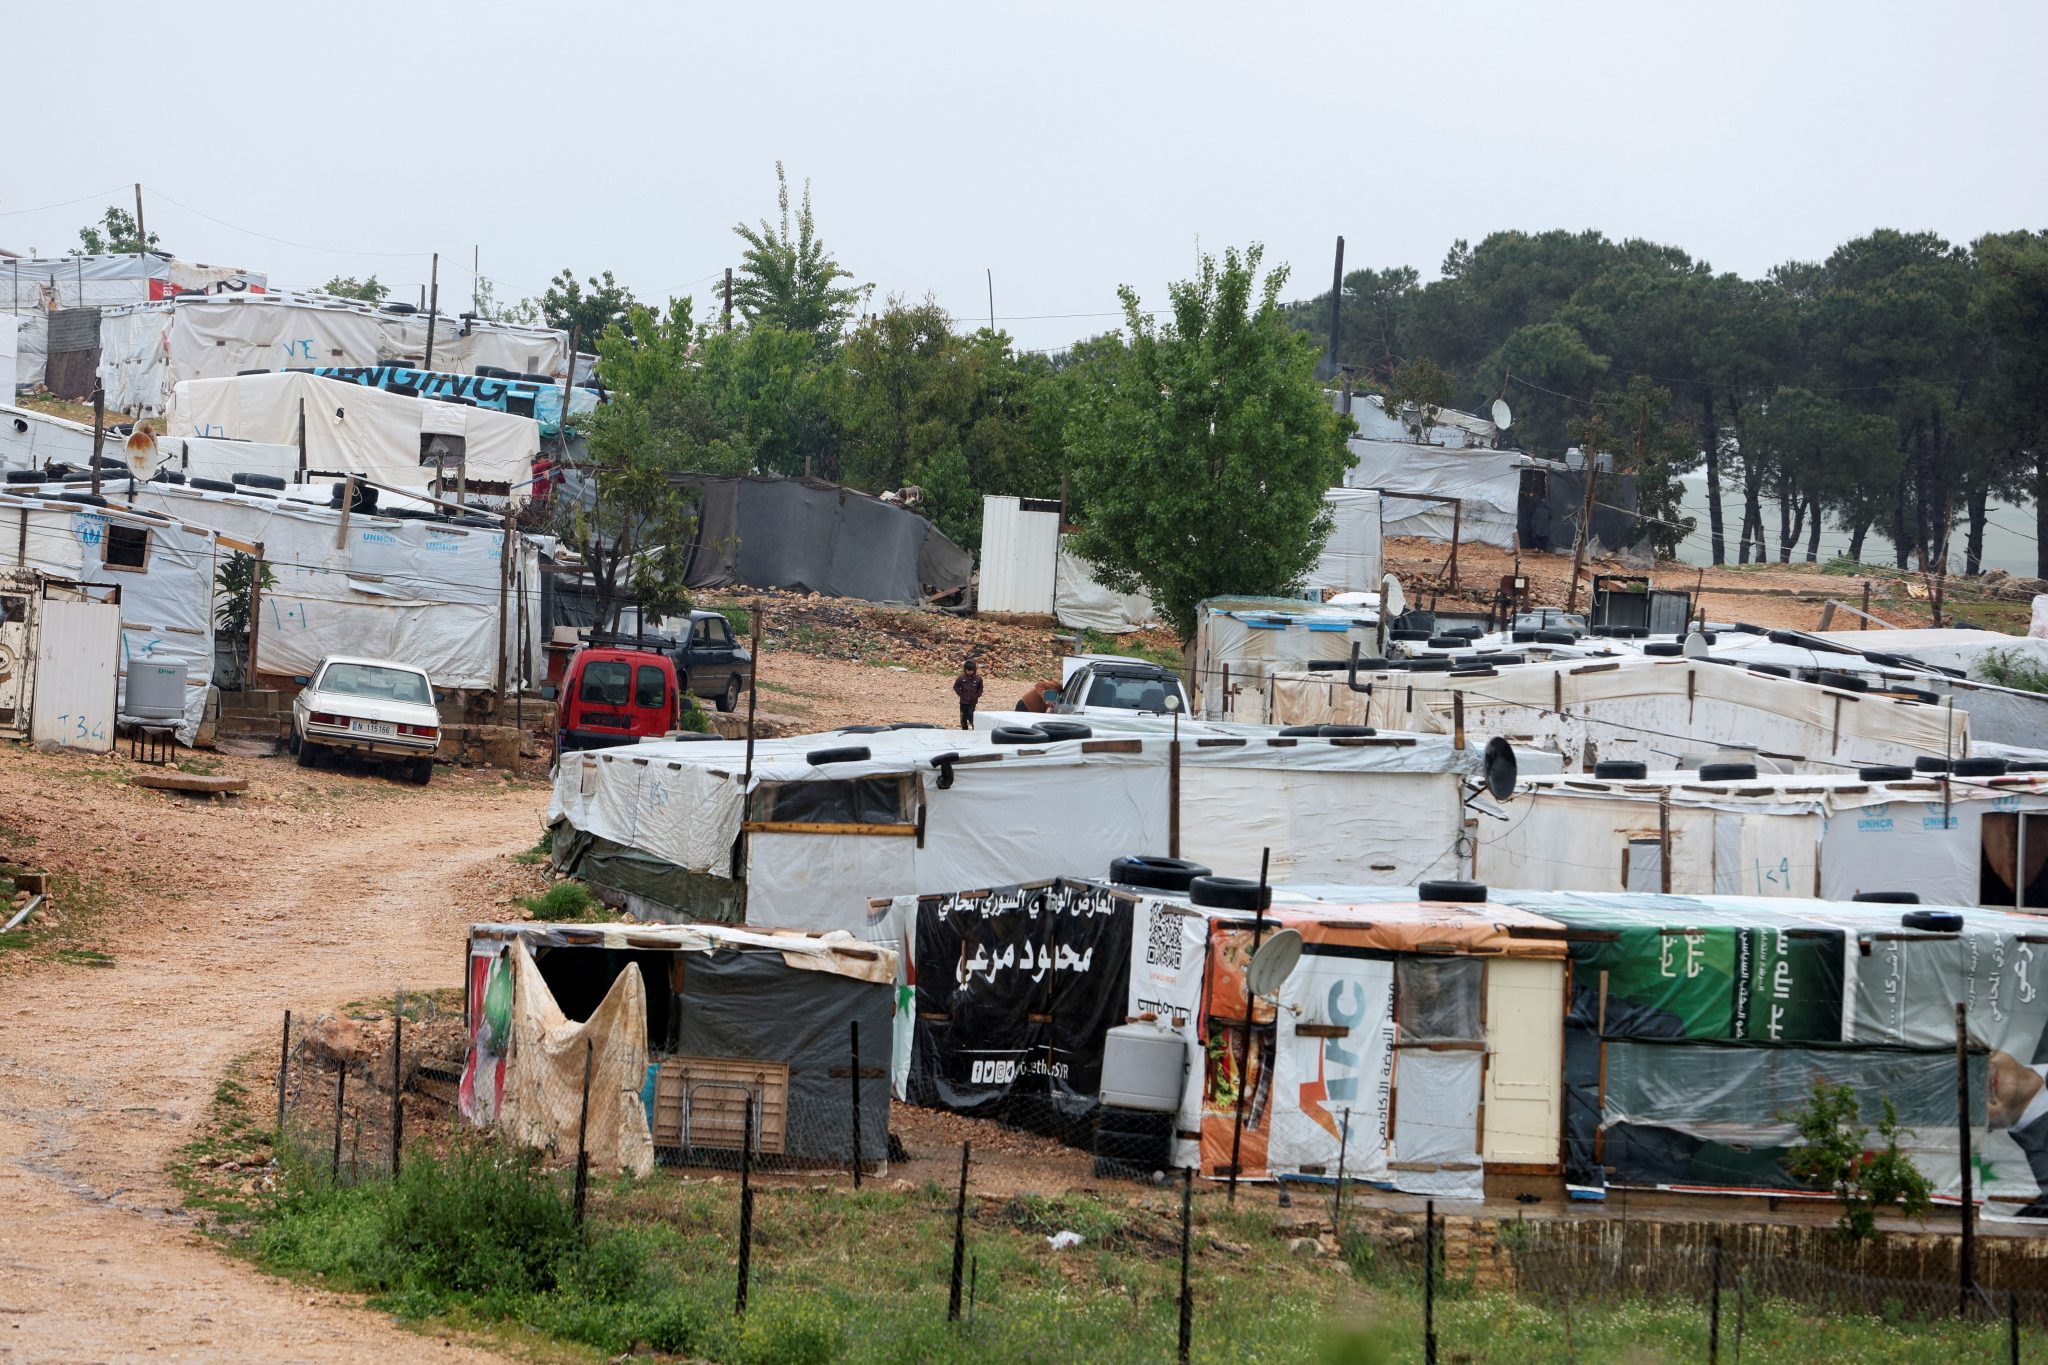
(807, 536)
(10, 349)
(166, 608)
(1082, 601)
(351, 429)
(419, 591)
(1486, 482)
(1350, 560)
(1240, 643)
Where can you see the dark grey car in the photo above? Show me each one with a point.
(712, 661)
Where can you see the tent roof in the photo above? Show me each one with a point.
(1776, 789)
(1386, 920)
(837, 954)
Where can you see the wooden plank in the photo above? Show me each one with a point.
(800, 827)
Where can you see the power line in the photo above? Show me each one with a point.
(286, 241)
(44, 208)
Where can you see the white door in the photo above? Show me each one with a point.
(78, 674)
(16, 662)
(1525, 1060)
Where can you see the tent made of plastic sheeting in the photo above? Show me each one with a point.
(1652, 710)
(1960, 841)
(660, 824)
(1029, 569)
(1242, 642)
(10, 354)
(350, 429)
(529, 1064)
(110, 280)
(1699, 1026)
(1350, 560)
(1403, 1023)
(1446, 426)
(804, 535)
(147, 350)
(163, 567)
(35, 440)
(522, 397)
(426, 592)
(1487, 484)
(725, 1015)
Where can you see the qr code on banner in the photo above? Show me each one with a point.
(1162, 949)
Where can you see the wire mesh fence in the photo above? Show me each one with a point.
(753, 1177)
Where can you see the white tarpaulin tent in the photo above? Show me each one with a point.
(1350, 560)
(163, 567)
(1656, 710)
(351, 429)
(147, 350)
(34, 440)
(929, 810)
(10, 351)
(428, 593)
(1029, 569)
(1487, 483)
(1242, 642)
(1828, 836)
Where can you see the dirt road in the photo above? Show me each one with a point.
(315, 889)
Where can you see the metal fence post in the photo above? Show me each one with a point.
(397, 1082)
(340, 1088)
(284, 1066)
(959, 1236)
(1714, 1308)
(1429, 1282)
(1343, 1149)
(1967, 1282)
(582, 1130)
(2012, 1327)
(1187, 1296)
(854, 1071)
(739, 1301)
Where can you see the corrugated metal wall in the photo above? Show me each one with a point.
(1019, 551)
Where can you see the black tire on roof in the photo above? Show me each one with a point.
(1230, 893)
(1155, 873)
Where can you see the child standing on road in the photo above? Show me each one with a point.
(967, 687)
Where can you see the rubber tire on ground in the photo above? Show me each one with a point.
(1018, 734)
(1727, 772)
(1463, 893)
(845, 753)
(1063, 729)
(1848, 682)
(1345, 731)
(729, 700)
(1621, 769)
(1933, 921)
(1229, 893)
(1155, 873)
(1979, 767)
(291, 742)
(419, 771)
(1885, 772)
(308, 755)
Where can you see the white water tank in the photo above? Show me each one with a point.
(155, 692)
(1144, 1067)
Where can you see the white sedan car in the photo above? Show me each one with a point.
(372, 707)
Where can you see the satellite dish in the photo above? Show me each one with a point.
(1503, 416)
(1696, 645)
(1500, 768)
(1393, 602)
(1273, 963)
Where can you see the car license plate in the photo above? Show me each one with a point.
(383, 728)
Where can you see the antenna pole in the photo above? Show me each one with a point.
(1336, 303)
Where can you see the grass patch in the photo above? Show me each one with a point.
(72, 911)
(201, 765)
(739, 618)
(541, 852)
(565, 901)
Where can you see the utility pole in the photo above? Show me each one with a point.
(991, 300)
(433, 307)
(476, 280)
(1336, 303)
(728, 299)
(141, 232)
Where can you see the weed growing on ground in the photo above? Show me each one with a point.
(565, 901)
(2008, 668)
(541, 852)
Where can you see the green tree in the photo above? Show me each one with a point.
(787, 279)
(1201, 452)
(634, 528)
(1636, 426)
(233, 582)
(525, 312)
(1834, 1153)
(1822, 454)
(589, 313)
(370, 290)
(114, 235)
(773, 398)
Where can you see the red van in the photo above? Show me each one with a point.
(616, 694)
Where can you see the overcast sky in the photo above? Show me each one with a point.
(1068, 148)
